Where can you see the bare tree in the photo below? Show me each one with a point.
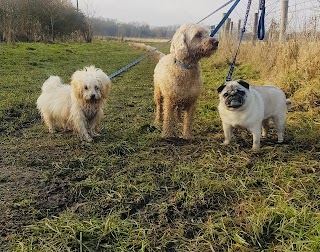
(87, 29)
(9, 20)
(52, 8)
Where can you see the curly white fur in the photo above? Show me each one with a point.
(78, 106)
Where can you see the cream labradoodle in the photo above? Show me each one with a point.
(78, 106)
(177, 77)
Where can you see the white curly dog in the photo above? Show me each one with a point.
(78, 106)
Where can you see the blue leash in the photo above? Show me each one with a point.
(216, 11)
(131, 64)
(150, 52)
(224, 19)
(261, 28)
(243, 30)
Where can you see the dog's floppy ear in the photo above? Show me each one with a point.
(105, 88)
(244, 84)
(77, 89)
(221, 88)
(104, 81)
(77, 84)
(178, 44)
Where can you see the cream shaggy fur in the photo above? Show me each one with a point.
(177, 77)
(78, 106)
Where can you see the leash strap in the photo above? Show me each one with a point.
(215, 11)
(224, 18)
(131, 64)
(243, 30)
(261, 28)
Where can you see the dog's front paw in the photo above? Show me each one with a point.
(157, 122)
(51, 130)
(166, 134)
(225, 142)
(89, 139)
(94, 133)
(256, 147)
(187, 137)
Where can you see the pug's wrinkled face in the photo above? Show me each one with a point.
(233, 94)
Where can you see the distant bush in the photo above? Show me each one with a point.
(39, 20)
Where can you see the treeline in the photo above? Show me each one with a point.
(41, 20)
(111, 27)
(52, 20)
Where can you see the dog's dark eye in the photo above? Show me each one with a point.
(241, 92)
(96, 88)
(225, 95)
(85, 87)
(199, 35)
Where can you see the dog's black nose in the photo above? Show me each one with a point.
(214, 43)
(92, 97)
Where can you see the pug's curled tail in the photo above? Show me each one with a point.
(147, 48)
(288, 103)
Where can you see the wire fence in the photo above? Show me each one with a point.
(303, 18)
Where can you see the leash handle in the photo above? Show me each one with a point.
(261, 27)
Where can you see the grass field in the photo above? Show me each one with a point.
(131, 191)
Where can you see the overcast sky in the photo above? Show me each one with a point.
(177, 12)
(160, 12)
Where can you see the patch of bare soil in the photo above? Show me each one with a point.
(24, 199)
(14, 183)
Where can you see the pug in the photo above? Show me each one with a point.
(252, 107)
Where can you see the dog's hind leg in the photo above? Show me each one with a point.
(265, 128)
(49, 122)
(158, 99)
